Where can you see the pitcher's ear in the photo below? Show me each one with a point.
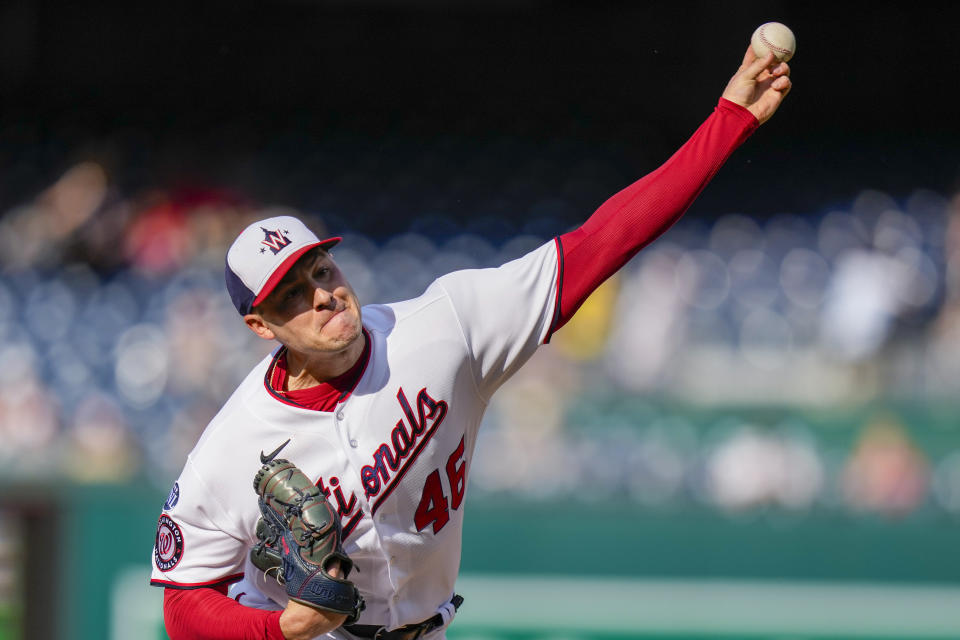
(256, 324)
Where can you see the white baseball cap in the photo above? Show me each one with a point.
(262, 254)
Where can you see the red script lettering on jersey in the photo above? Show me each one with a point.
(344, 507)
(392, 460)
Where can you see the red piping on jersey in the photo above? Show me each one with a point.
(197, 585)
(270, 389)
(555, 321)
(319, 397)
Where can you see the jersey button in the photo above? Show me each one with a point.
(354, 443)
(340, 415)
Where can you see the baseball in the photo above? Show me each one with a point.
(776, 37)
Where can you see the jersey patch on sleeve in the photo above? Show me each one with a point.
(173, 498)
(168, 548)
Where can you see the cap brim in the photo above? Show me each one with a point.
(285, 266)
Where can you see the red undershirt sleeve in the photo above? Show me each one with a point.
(208, 614)
(637, 215)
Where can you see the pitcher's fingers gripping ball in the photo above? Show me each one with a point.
(774, 37)
(300, 533)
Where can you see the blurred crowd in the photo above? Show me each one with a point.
(119, 343)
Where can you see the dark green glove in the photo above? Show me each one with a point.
(299, 534)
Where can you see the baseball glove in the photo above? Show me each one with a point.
(299, 534)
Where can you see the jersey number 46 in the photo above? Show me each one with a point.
(434, 508)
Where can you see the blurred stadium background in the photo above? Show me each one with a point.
(751, 432)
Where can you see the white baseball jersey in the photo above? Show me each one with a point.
(394, 457)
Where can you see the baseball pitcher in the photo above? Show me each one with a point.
(326, 498)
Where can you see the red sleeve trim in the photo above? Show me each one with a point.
(555, 321)
(196, 585)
